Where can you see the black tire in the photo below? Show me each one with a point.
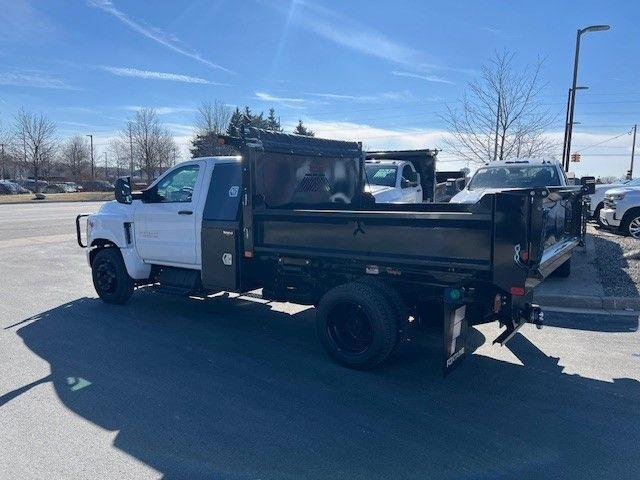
(630, 224)
(356, 325)
(400, 309)
(564, 270)
(596, 215)
(110, 278)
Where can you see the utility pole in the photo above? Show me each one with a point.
(131, 153)
(3, 167)
(633, 151)
(106, 167)
(93, 175)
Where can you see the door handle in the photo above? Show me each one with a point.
(185, 212)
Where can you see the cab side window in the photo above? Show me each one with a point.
(177, 186)
(409, 174)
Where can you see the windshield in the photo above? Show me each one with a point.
(381, 175)
(521, 176)
(633, 183)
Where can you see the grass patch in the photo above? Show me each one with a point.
(59, 197)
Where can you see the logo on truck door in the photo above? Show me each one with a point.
(227, 258)
(233, 191)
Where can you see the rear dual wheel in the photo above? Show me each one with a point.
(357, 325)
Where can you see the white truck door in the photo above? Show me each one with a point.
(165, 223)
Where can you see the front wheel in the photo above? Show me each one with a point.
(356, 325)
(631, 223)
(110, 278)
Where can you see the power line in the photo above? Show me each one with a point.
(603, 141)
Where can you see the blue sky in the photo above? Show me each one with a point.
(380, 72)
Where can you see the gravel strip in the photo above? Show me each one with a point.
(618, 261)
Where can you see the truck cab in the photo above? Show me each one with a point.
(393, 181)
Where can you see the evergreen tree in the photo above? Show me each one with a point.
(302, 130)
(236, 122)
(273, 123)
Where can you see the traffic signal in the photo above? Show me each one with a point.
(575, 157)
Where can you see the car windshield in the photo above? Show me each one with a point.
(517, 176)
(384, 175)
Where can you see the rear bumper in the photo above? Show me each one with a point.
(608, 217)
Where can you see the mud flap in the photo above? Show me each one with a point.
(455, 336)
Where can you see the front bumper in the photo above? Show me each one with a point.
(608, 217)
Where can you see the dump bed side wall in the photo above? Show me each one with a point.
(437, 239)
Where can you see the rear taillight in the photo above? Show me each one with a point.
(516, 291)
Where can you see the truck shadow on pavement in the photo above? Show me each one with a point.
(230, 388)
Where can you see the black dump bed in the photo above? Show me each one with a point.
(303, 199)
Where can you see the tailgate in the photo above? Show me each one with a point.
(535, 231)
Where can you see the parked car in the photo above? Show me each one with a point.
(57, 188)
(8, 187)
(30, 184)
(97, 186)
(596, 201)
(393, 181)
(507, 174)
(621, 210)
(73, 186)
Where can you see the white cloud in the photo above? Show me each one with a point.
(403, 95)
(427, 78)
(33, 79)
(167, 40)
(136, 73)
(160, 110)
(272, 98)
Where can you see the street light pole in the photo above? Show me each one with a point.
(566, 131)
(569, 127)
(93, 175)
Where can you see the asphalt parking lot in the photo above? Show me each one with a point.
(237, 388)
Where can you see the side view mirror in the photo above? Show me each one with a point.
(588, 185)
(122, 190)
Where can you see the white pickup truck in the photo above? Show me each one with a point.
(621, 208)
(507, 174)
(393, 181)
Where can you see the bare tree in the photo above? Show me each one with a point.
(119, 151)
(154, 149)
(167, 151)
(212, 118)
(75, 156)
(37, 134)
(146, 132)
(501, 115)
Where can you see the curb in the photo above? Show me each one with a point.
(588, 302)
